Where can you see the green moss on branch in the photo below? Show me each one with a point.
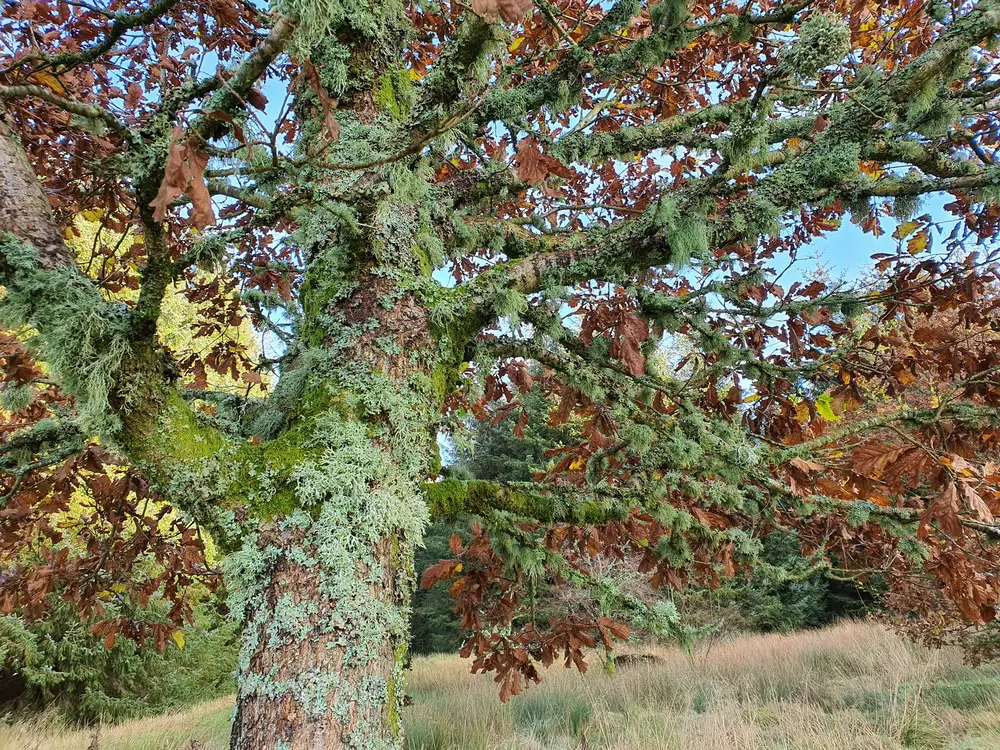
(452, 498)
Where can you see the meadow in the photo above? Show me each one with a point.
(853, 686)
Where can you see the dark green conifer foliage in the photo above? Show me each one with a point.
(56, 665)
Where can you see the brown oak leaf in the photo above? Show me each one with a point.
(184, 172)
(533, 166)
(510, 11)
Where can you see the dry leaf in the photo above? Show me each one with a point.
(510, 11)
(184, 172)
(533, 166)
(256, 99)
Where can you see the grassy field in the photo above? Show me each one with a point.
(850, 687)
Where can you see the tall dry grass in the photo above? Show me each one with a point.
(207, 725)
(854, 686)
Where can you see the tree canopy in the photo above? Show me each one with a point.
(430, 209)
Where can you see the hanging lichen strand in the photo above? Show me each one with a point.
(620, 195)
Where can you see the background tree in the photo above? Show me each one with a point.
(604, 175)
(783, 592)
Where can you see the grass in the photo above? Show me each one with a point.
(854, 686)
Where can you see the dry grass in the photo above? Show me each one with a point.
(206, 724)
(850, 687)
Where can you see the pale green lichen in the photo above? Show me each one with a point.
(17, 397)
(82, 338)
(356, 491)
(824, 39)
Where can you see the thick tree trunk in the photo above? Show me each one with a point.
(24, 209)
(323, 589)
(321, 665)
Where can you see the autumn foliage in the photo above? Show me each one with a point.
(612, 204)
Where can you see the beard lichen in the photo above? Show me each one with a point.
(82, 338)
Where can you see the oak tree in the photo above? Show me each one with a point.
(431, 208)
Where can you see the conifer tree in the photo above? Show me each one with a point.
(423, 202)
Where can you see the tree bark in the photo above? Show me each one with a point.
(24, 209)
(316, 672)
(324, 589)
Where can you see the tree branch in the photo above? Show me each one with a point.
(233, 96)
(451, 498)
(72, 106)
(123, 23)
(609, 254)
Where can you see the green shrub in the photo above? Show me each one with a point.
(56, 664)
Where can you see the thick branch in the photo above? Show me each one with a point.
(72, 106)
(452, 498)
(48, 436)
(233, 97)
(958, 412)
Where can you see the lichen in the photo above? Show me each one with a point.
(16, 397)
(355, 495)
(824, 39)
(83, 339)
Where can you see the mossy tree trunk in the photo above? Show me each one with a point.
(321, 663)
(323, 584)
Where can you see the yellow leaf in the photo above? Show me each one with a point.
(918, 244)
(802, 412)
(414, 75)
(824, 407)
(906, 229)
(178, 637)
(512, 47)
(48, 80)
(458, 568)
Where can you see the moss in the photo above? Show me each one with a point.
(264, 481)
(182, 436)
(451, 498)
(395, 692)
(394, 93)
(443, 379)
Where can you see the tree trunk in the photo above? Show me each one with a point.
(24, 209)
(323, 589)
(322, 655)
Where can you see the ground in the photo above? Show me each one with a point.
(854, 686)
